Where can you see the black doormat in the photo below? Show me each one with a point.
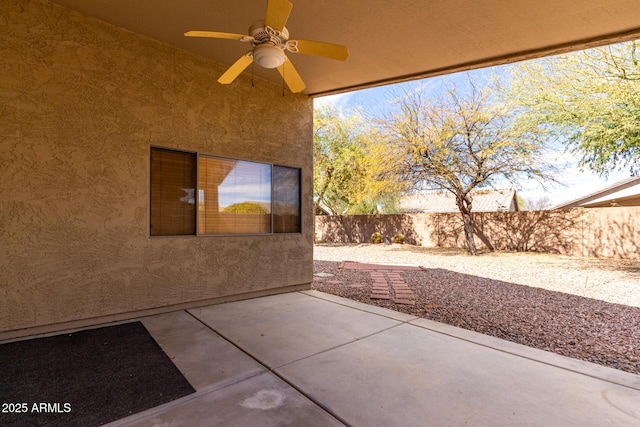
(86, 378)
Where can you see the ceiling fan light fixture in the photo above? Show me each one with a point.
(269, 38)
(268, 56)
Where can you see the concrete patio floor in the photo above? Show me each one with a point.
(312, 359)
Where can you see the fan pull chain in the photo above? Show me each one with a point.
(283, 71)
(253, 74)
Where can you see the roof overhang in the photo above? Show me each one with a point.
(388, 41)
(626, 189)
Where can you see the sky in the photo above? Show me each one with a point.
(577, 183)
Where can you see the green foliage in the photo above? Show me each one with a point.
(376, 237)
(246, 207)
(337, 152)
(389, 206)
(364, 207)
(344, 165)
(590, 100)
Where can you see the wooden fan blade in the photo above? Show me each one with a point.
(327, 50)
(216, 35)
(291, 77)
(278, 13)
(236, 69)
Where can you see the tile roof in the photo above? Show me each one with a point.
(482, 201)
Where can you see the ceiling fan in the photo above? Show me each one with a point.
(269, 39)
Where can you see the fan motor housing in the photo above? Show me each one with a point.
(262, 33)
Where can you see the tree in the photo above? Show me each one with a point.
(337, 157)
(590, 99)
(246, 207)
(344, 162)
(458, 140)
(539, 204)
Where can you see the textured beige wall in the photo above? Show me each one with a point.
(81, 102)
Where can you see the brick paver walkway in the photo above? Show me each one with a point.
(388, 283)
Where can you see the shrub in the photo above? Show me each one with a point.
(398, 238)
(376, 237)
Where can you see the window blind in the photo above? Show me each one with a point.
(235, 196)
(173, 183)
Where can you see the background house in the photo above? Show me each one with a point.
(622, 193)
(444, 201)
(100, 99)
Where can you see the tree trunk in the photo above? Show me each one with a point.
(464, 205)
(316, 205)
(468, 233)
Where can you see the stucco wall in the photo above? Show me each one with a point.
(81, 102)
(599, 232)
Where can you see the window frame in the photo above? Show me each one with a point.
(199, 154)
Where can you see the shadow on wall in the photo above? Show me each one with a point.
(535, 231)
(359, 228)
(579, 232)
(599, 232)
(609, 235)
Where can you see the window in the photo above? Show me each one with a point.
(286, 200)
(233, 197)
(173, 183)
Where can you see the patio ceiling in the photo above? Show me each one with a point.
(388, 41)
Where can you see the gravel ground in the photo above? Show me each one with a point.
(583, 308)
